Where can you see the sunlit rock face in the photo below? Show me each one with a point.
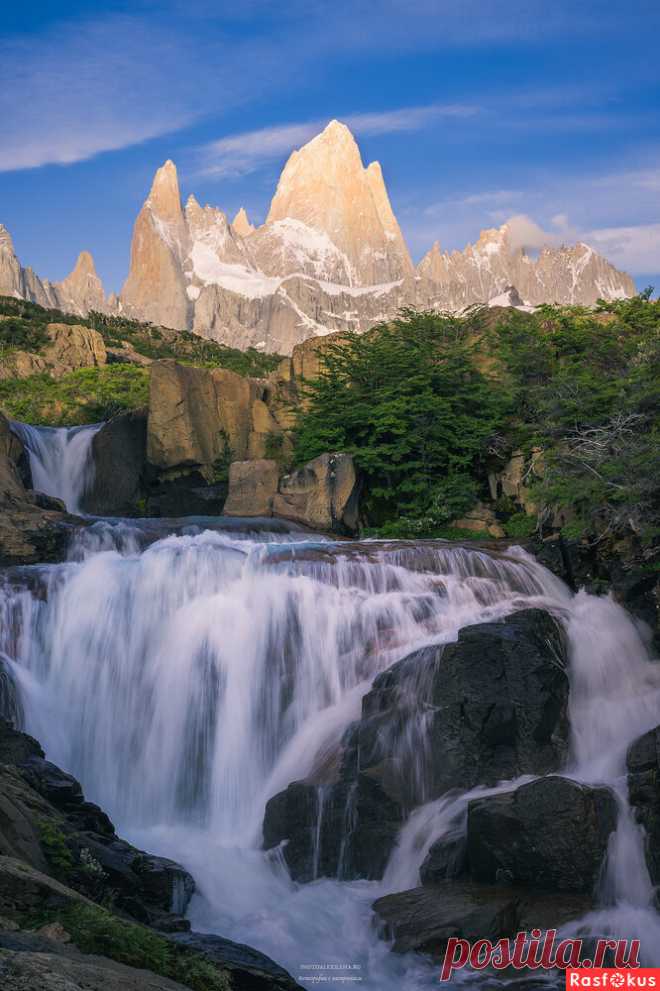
(329, 257)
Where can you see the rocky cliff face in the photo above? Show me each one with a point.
(80, 292)
(330, 257)
(484, 270)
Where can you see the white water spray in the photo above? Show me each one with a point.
(186, 680)
(61, 460)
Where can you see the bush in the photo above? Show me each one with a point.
(95, 930)
(87, 395)
(18, 334)
(520, 526)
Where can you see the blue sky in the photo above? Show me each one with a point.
(478, 110)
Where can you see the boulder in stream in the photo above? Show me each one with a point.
(550, 834)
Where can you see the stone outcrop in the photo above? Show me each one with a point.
(198, 415)
(119, 450)
(247, 969)
(39, 802)
(323, 494)
(70, 347)
(490, 707)
(252, 488)
(643, 762)
(480, 519)
(209, 434)
(550, 834)
(32, 961)
(58, 851)
(424, 918)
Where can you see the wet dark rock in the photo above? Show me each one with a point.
(249, 969)
(424, 918)
(119, 450)
(16, 747)
(490, 707)
(11, 708)
(53, 784)
(446, 859)
(44, 501)
(43, 808)
(186, 493)
(643, 763)
(290, 817)
(550, 834)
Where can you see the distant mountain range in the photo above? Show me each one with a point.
(330, 256)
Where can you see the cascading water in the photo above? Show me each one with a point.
(187, 679)
(61, 460)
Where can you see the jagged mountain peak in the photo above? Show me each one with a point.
(165, 197)
(84, 265)
(241, 224)
(6, 242)
(325, 186)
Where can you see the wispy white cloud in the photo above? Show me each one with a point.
(616, 212)
(240, 154)
(635, 249)
(82, 89)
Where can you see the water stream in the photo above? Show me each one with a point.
(61, 461)
(187, 671)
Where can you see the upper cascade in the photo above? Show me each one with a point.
(326, 186)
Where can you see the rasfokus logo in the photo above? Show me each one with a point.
(594, 977)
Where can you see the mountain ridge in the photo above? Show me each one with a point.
(329, 257)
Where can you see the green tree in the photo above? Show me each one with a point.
(408, 402)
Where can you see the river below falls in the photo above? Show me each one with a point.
(186, 671)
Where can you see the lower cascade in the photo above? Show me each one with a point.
(200, 675)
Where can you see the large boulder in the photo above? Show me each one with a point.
(199, 415)
(119, 452)
(46, 822)
(11, 449)
(424, 918)
(199, 421)
(323, 494)
(252, 488)
(551, 834)
(248, 969)
(11, 708)
(489, 707)
(643, 763)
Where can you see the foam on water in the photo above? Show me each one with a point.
(187, 678)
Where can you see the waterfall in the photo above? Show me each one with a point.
(61, 460)
(187, 675)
